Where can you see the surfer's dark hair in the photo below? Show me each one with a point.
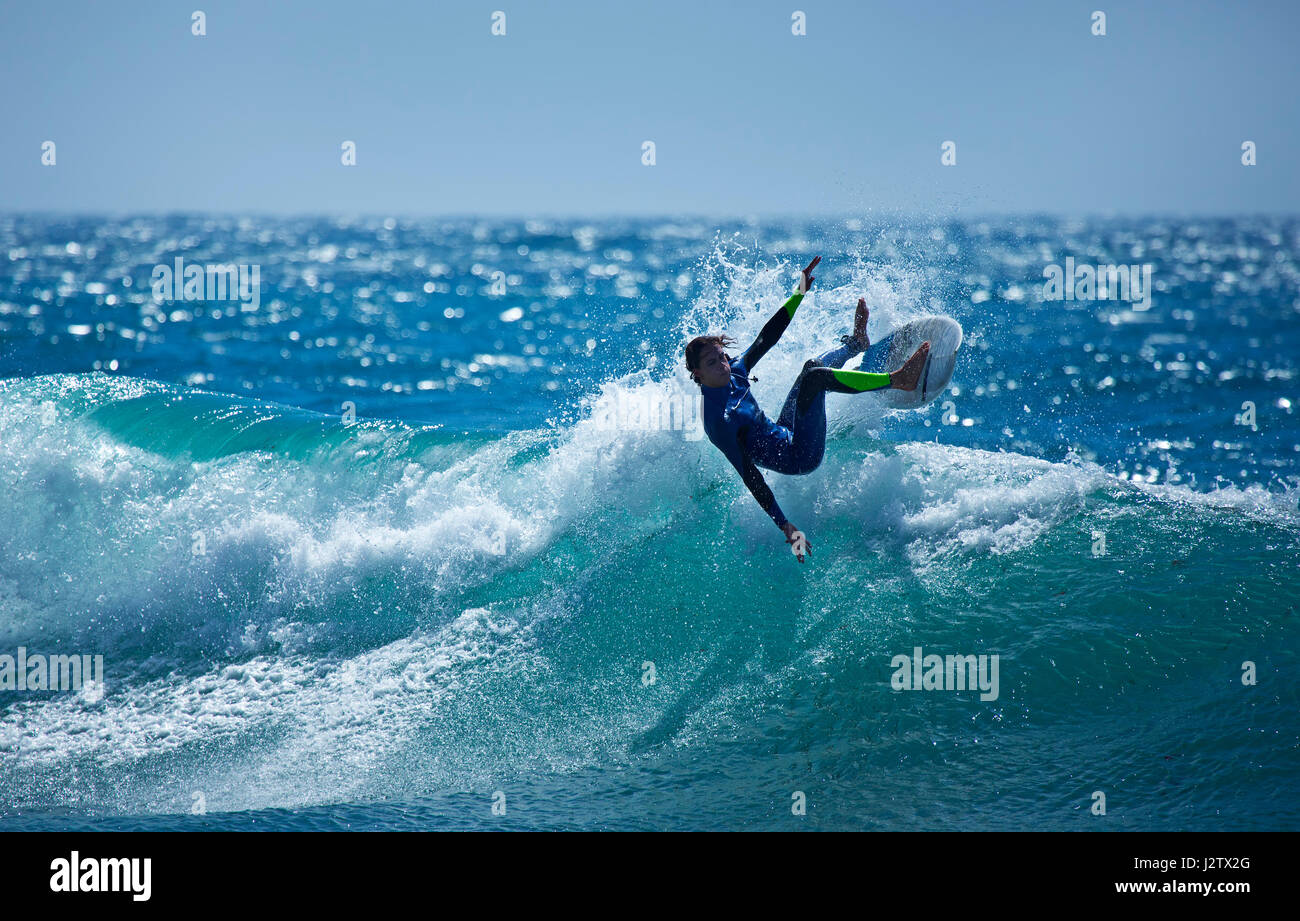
(696, 345)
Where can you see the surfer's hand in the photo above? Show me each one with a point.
(805, 278)
(798, 542)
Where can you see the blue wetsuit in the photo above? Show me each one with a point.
(796, 442)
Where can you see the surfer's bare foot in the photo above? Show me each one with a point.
(906, 377)
(859, 338)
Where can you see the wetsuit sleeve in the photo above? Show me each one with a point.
(754, 480)
(762, 492)
(772, 330)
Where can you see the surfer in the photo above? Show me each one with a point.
(796, 442)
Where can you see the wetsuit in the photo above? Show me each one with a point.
(796, 442)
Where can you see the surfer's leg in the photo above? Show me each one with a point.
(804, 412)
(835, 358)
(788, 407)
(815, 382)
(850, 345)
(809, 428)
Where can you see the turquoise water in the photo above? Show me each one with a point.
(314, 622)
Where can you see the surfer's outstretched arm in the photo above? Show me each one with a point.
(774, 327)
(762, 493)
(754, 481)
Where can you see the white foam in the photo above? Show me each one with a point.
(327, 723)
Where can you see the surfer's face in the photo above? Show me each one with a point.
(713, 370)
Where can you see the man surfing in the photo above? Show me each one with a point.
(796, 442)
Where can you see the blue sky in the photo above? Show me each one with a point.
(746, 117)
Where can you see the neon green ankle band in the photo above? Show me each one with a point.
(862, 380)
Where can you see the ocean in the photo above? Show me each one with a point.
(416, 528)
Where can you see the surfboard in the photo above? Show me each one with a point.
(891, 352)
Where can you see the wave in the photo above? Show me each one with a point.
(296, 610)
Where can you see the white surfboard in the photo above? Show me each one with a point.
(889, 354)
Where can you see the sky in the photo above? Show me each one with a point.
(746, 118)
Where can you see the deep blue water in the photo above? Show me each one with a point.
(314, 622)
